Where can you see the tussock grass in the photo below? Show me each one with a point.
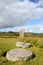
(7, 44)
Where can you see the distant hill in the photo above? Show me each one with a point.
(13, 34)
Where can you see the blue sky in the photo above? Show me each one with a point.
(18, 14)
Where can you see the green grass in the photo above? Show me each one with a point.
(10, 43)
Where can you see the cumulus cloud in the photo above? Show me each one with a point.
(17, 12)
(31, 28)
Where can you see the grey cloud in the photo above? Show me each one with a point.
(15, 13)
(30, 28)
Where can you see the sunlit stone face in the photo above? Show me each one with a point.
(19, 54)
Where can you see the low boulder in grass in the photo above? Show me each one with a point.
(23, 45)
(19, 44)
(27, 45)
(19, 54)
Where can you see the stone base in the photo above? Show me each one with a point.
(19, 54)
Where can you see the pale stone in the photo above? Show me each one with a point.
(21, 34)
(23, 45)
(19, 44)
(27, 45)
(19, 54)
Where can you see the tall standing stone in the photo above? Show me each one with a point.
(21, 34)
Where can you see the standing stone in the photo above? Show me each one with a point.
(21, 34)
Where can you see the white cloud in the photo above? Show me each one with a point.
(1, 19)
(41, 2)
(41, 28)
(16, 13)
(31, 28)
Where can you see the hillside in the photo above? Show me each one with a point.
(14, 34)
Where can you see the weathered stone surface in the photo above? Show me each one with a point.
(23, 45)
(21, 34)
(28, 45)
(19, 44)
(19, 54)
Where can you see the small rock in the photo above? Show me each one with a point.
(19, 44)
(27, 45)
(23, 45)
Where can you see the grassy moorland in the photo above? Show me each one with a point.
(8, 42)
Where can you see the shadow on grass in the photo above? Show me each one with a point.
(4, 53)
(33, 56)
